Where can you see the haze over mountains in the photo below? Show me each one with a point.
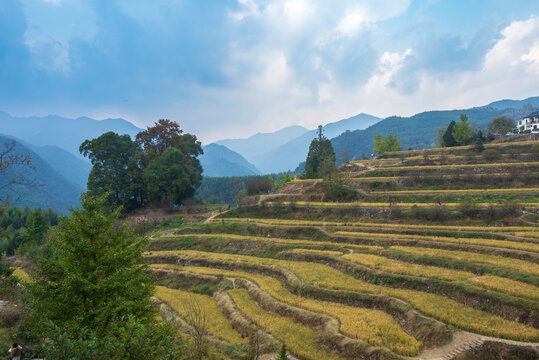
(281, 151)
(53, 142)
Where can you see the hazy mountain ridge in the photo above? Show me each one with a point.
(287, 156)
(62, 132)
(261, 143)
(219, 161)
(55, 190)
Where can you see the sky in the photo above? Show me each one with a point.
(232, 68)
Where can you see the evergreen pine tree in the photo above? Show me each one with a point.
(34, 231)
(448, 139)
(92, 276)
(321, 157)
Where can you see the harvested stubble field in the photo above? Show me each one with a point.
(337, 286)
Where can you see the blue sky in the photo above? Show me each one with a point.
(230, 68)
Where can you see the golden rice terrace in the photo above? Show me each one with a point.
(431, 254)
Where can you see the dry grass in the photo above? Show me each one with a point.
(235, 237)
(383, 225)
(218, 324)
(500, 261)
(299, 339)
(406, 268)
(456, 192)
(373, 326)
(526, 246)
(439, 307)
(385, 204)
(507, 286)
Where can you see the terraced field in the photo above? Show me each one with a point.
(355, 279)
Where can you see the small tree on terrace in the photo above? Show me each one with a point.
(462, 130)
(501, 125)
(386, 144)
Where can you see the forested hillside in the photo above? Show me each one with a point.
(419, 131)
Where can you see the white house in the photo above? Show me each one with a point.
(530, 122)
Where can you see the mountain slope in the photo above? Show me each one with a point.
(261, 143)
(55, 191)
(218, 160)
(65, 133)
(419, 131)
(70, 166)
(287, 156)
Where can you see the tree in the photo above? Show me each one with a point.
(170, 179)
(112, 158)
(135, 341)
(259, 185)
(156, 141)
(501, 125)
(462, 131)
(448, 139)
(321, 157)
(386, 144)
(92, 276)
(35, 230)
(282, 353)
(198, 329)
(440, 132)
(165, 134)
(15, 169)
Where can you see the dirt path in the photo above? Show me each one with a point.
(214, 214)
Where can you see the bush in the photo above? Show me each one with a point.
(258, 186)
(335, 189)
(491, 155)
(469, 209)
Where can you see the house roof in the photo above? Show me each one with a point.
(536, 113)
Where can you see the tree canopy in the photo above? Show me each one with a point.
(501, 125)
(386, 144)
(159, 166)
(447, 137)
(462, 130)
(111, 156)
(321, 157)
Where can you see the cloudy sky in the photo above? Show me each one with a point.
(230, 68)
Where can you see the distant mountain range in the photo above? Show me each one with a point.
(218, 161)
(285, 151)
(259, 144)
(62, 132)
(52, 189)
(53, 142)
